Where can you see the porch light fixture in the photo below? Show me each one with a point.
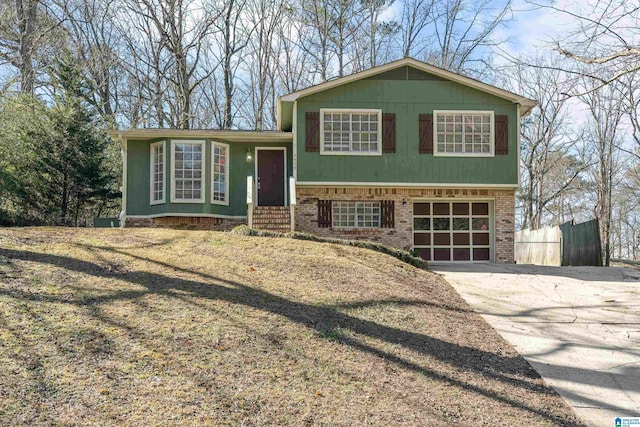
(249, 156)
(404, 202)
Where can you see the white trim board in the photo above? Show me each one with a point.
(242, 136)
(405, 184)
(183, 214)
(125, 164)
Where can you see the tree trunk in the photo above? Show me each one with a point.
(26, 17)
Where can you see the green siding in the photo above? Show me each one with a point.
(405, 73)
(407, 99)
(138, 176)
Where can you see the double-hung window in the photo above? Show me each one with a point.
(355, 214)
(464, 133)
(220, 173)
(158, 167)
(350, 132)
(187, 171)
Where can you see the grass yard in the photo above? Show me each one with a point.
(146, 327)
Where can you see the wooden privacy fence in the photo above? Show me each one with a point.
(540, 247)
(581, 243)
(567, 244)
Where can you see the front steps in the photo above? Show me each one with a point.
(272, 218)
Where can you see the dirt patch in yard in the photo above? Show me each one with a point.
(130, 327)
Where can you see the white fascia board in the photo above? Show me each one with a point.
(182, 214)
(403, 184)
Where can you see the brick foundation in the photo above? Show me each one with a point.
(186, 223)
(306, 213)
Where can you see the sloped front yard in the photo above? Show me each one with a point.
(131, 327)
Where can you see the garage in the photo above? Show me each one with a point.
(459, 231)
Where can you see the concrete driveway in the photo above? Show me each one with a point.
(579, 327)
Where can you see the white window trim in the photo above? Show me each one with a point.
(492, 136)
(164, 173)
(337, 227)
(173, 170)
(356, 111)
(224, 202)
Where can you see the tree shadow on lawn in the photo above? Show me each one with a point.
(514, 371)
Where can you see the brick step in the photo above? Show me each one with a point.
(273, 228)
(280, 222)
(270, 214)
(271, 208)
(271, 218)
(262, 219)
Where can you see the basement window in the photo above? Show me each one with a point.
(354, 214)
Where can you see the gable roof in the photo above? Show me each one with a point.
(526, 103)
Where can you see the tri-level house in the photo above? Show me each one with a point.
(406, 153)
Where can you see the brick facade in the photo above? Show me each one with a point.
(186, 222)
(306, 213)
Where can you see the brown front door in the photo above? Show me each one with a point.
(271, 178)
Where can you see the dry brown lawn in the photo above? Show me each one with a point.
(157, 327)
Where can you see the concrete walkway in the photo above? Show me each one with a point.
(579, 327)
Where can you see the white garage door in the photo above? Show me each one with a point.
(453, 231)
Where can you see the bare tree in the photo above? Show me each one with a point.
(605, 40)
(25, 29)
(182, 26)
(147, 65)
(373, 43)
(316, 16)
(416, 16)
(604, 127)
(294, 64)
(549, 155)
(96, 42)
(233, 38)
(462, 27)
(265, 16)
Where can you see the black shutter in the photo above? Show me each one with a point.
(387, 214)
(324, 213)
(502, 135)
(312, 128)
(425, 133)
(389, 133)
